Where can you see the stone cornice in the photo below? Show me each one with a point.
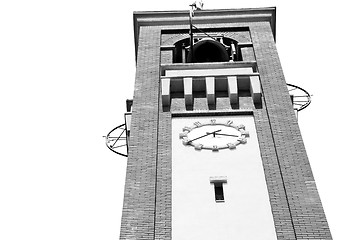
(163, 18)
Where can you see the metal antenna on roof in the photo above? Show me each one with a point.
(197, 5)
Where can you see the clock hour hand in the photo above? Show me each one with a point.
(207, 134)
(224, 134)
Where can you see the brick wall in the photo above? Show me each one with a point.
(247, 54)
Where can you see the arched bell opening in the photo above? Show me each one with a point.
(208, 50)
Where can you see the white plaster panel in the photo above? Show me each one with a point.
(245, 213)
(232, 89)
(188, 90)
(210, 90)
(165, 91)
(255, 89)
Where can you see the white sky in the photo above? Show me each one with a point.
(66, 69)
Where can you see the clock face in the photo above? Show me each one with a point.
(214, 135)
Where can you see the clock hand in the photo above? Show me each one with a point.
(207, 134)
(223, 134)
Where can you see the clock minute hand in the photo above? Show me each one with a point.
(207, 134)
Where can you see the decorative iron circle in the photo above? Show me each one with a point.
(299, 97)
(116, 140)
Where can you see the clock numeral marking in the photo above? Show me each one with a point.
(197, 124)
(242, 140)
(187, 129)
(186, 141)
(215, 148)
(198, 146)
(245, 133)
(213, 121)
(241, 126)
(231, 146)
(183, 135)
(229, 122)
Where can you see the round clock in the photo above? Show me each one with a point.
(214, 135)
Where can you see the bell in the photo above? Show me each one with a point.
(209, 50)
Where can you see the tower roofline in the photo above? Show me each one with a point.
(214, 16)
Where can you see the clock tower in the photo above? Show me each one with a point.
(214, 148)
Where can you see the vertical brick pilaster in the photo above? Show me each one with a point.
(139, 198)
(164, 186)
(277, 194)
(307, 215)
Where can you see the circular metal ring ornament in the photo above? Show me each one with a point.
(116, 140)
(299, 97)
